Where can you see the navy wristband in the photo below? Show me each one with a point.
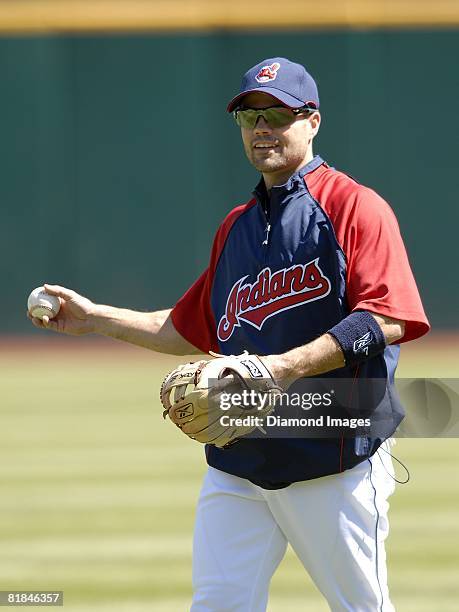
(359, 336)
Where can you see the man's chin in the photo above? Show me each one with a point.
(269, 165)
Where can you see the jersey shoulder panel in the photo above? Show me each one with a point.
(347, 203)
(378, 273)
(225, 228)
(192, 315)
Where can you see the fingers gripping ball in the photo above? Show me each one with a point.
(192, 397)
(41, 304)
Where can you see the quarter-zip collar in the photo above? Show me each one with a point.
(273, 202)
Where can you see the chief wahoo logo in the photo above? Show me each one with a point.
(268, 73)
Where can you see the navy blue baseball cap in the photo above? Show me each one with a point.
(286, 81)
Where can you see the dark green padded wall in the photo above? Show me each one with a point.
(118, 160)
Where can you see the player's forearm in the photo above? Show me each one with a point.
(151, 330)
(323, 354)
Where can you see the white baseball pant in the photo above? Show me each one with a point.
(336, 525)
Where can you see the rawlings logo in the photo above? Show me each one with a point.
(267, 73)
(271, 294)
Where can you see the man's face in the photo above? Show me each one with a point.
(282, 149)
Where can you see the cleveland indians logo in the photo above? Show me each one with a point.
(267, 73)
(271, 294)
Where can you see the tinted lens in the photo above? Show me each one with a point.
(278, 117)
(275, 117)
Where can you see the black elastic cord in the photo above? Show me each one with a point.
(401, 463)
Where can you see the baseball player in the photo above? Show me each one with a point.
(312, 276)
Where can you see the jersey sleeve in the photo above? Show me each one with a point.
(192, 316)
(379, 277)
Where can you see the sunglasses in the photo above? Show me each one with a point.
(275, 116)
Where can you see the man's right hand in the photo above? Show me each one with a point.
(76, 316)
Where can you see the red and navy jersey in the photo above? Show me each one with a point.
(284, 269)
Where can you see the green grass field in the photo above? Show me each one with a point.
(98, 493)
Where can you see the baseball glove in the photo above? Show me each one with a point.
(193, 394)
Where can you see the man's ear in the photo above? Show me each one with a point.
(315, 120)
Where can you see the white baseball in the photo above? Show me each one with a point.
(42, 304)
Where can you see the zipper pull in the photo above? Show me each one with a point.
(267, 230)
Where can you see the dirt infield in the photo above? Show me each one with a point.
(447, 340)
(434, 356)
(43, 343)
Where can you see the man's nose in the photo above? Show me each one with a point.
(262, 126)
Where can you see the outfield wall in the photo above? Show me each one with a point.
(118, 159)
